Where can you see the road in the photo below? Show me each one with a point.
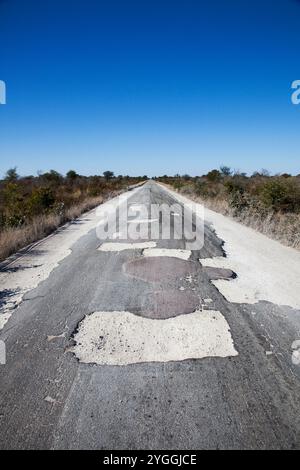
(137, 349)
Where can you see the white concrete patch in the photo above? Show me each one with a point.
(266, 270)
(120, 338)
(182, 254)
(111, 246)
(36, 265)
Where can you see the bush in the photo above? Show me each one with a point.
(178, 184)
(213, 175)
(72, 175)
(201, 189)
(40, 201)
(13, 212)
(52, 177)
(108, 175)
(31, 207)
(281, 194)
(269, 204)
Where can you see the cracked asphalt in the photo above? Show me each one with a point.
(50, 400)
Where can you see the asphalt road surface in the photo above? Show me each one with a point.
(138, 349)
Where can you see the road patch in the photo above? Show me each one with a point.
(122, 338)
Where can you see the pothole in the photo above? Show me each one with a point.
(169, 303)
(156, 269)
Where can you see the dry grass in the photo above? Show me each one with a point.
(284, 228)
(13, 239)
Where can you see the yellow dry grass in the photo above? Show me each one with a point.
(13, 239)
(284, 228)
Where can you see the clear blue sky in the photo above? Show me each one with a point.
(149, 87)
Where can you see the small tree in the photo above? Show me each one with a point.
(52, 177)
(11, 175)
(71, 175)
(108, 175)
(274, 193)
(264, 172)
(225, 170)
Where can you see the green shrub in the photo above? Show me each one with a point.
(281, 194)
(178, 184)
(13, 213)
(214, 175)
(201, 188)
(40, 201)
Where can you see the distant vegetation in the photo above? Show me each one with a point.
(33, 206)
(270, 204)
